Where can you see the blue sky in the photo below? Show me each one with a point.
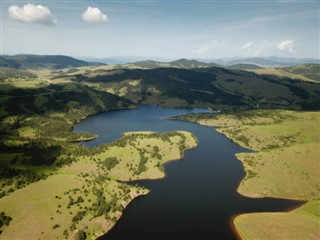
(161, 29)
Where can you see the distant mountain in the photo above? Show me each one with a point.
(123, 59)
(266, 62)
(186, 63)
(150, 64)
(262, 62)
(294, 60)
(242, 66)
(26, 61)
(180, 63)
(5, 62)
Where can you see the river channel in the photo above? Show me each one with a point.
(198, 198)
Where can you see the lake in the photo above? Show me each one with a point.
(197, 199)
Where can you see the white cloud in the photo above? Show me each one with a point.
(286, 46)
(256, 49)
(207, 47)
(94, 15)
(246, 46)
(263, 47)
(30, 13)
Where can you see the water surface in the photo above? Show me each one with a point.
(197, 199)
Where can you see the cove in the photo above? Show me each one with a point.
(198, 198)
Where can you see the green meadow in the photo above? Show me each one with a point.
(285, 164)
(84, 196)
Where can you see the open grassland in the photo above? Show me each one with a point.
(52, 187)
(268, 129)
(282, 73)
(84, 196)
(59, 206)
(287, 172)
(302, 223)
(138, 155)
(24, 83)
(285, 165)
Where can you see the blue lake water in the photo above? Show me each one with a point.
(197, 199)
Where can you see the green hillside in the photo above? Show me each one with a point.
(72, 100)
(12, 73)
(186, 63)
(214, 87)
(180, 63)
(36, 125)
(242, 66)
(40, 153)
(27, 61)
(311, 71)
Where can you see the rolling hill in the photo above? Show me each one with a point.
(186, 63)
(242, 66)
(267, 62)
(303, 72)
(311, 71)
(180, 63)
(74, 101)
(12, 73)
(202, 87)
(27, 61)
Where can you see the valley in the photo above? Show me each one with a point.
(79, 189)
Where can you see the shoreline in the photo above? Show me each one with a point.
(233, 226)
(124, 205)
(146, 191)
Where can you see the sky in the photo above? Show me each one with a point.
(161, 29)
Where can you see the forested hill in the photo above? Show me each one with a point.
(26, 61)
(71, 102)
(214, 87)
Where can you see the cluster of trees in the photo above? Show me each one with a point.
(4, 220)
(142, 162)
(41, 154)
(49, 116)
(110, 162)
(13, 179)
(7, 73)
(78, 217)
(72, 201)
(102, 206)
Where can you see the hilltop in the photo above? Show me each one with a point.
(28, 61)
(203, 87)
(304, 72)
(180, 63)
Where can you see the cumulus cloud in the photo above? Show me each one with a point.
(286, 46)
(94, 15)
(257, 48)
(30, 13)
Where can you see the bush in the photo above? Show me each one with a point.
(110, 162)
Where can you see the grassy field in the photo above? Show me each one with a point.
(155, 149)
(84, 197)
(285, 165)
(300, 224)
(282, 73)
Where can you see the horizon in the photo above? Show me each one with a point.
(163, 59)
(161, 29)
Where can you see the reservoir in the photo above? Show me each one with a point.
(198, 198)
